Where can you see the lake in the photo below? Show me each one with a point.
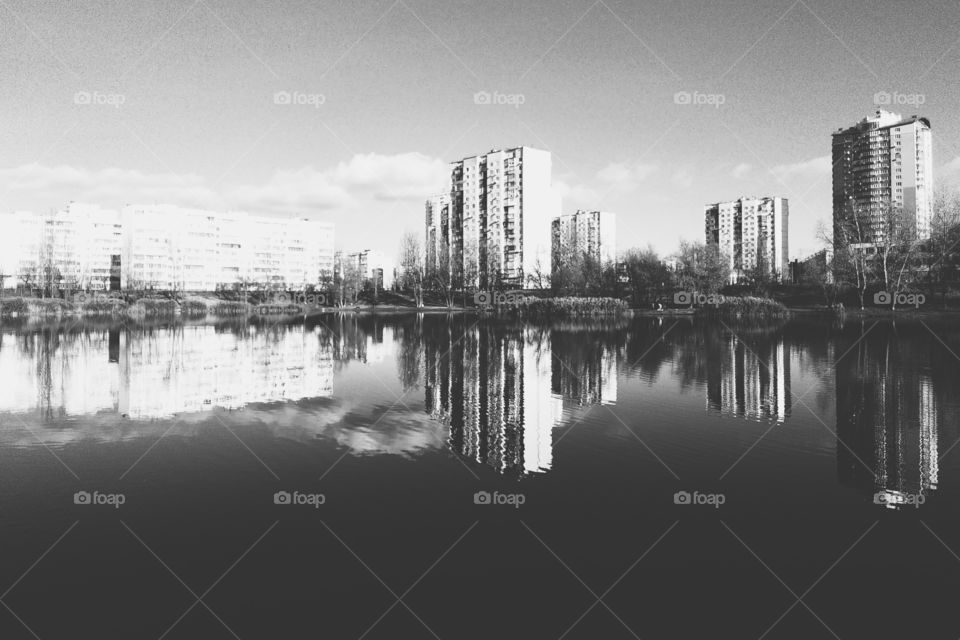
(434, 476)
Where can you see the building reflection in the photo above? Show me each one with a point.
(160, 372)
(888, 417)
(502, 391)
(749, 381)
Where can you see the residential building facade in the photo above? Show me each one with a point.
(373, 266)
(162, 247)
(497, 224)
(751, 234)
(70, 248)
(884, 161)
(585, 232)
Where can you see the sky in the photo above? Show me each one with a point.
(351, 111)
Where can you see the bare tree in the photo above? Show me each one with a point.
(411, 266)
(944, 240)
(440, 276)
(898, 254)
(540, 277)
(852, 241)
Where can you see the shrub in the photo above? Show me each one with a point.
(748, 307)
(566, 307)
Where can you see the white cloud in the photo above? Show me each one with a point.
(575, 193)
(683, 177)
(950, 172)
(741, 170)
(814, 168)
(55, 186)
(626, 176)
(364, 182)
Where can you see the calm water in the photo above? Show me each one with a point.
(388, 431)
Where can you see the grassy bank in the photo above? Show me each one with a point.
(19, 307)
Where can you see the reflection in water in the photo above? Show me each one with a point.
(887, 419)
(157, 373)
(493, 391)
(749, 381)
(502, 389)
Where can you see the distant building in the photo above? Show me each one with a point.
(585, 232)
(373, 266)
(438, 236)
(803, 271)
(170, 247)
(884, 161)
(67, 249)
(497, 223)
(751, 234)
(161, 247)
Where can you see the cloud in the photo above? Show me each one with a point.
(814, 168)
(950, 172)
(626, 176)
(58, 185)
(575, 193)
(363, 182)
(741, 170)
(683, 177)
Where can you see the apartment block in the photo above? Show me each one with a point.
(751, 233)
(585, 232)
(497, 223)
(884, 160)
(373, 266)
(162, 247)
(170, 247)
(69, 248)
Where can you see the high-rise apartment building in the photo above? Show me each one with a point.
(585, 232)
(751, 234)
(884, 161)
(496, 228)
